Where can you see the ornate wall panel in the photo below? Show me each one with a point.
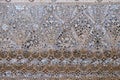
(59, 40)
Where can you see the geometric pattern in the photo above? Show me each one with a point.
(55, 41)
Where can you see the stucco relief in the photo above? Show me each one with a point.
(60, 40)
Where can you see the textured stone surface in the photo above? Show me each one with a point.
(93, 1)
(60, 41)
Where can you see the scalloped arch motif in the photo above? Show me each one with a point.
(59, 40)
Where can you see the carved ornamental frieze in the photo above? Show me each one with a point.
(59, 39)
